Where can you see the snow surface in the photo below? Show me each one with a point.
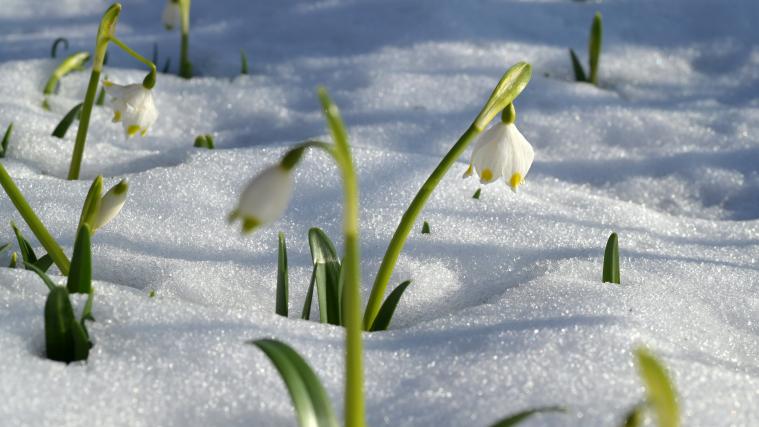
(506, 310)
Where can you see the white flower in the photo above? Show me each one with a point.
(132, 104)
(171, 14)
(501, 151)
(111, 204)
(265, 198)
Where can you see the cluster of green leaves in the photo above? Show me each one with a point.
(327, 281)
(594, 54)
(204, 141)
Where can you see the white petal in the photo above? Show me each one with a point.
(111, 204)
(266, 197)
(489, 154)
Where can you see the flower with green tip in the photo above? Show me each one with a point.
(111, 204)
(133, 105)
(265, 198)
(501, 152)
(171, 15)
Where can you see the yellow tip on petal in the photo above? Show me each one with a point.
(132, 130)
(515, 180)
(249, 224)
(486, 175)
(116, 116)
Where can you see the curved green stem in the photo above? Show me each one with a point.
(34, 223)
(149, 81)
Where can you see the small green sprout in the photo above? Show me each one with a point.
(426, 227)
(611, 260)
(151, 294)
(204, 141)
(477, 193)
(282, 278)
(6, 140)
(594, 54)
(243, 63)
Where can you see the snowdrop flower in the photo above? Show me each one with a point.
(171, 14)
(265, 198)
(111, 204)
(501, 152)
(132, 104)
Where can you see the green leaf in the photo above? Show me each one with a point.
(14, 260)
(594, 48)
(65, 339)
(27, 253)
(65, 123)
(477, 193)
(6, 140)
(80, 275)
(4, 247)
(659, 388)
(611, 260)
(517, 418)
(166, 66)
(101, 97)
(91, 205)
(426, 228)
(44, 262)
(54, 48)
(309, 398)
(306, 313)
(327, 268)
(244, 62)
(155, 53)
(71, 63)
(512, 83)
(204, 141)
(45, 278)
(634, 418)
(577, 67)
(282, 277)
(385, 314)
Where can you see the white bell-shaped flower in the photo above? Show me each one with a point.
(171, 15)
(501, 152)
(265, 198)
(111, 204)
(133, 105)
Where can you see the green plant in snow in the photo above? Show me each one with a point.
(594, 54)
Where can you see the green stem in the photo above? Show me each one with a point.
(34, 223)
(149, 81)
(84, 123)
(185, 67)
(407, 223)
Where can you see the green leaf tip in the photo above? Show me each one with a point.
(311, 402)
(326, 275)
(282, 277)
(611, 260)
(63, 126)
(659, 389)
(386, 312)
(577, 67)
(594, 48)
(512, 83)
(425, 228)
(65, 338)
(204, 141)
(477, 193)
(91, 205)
(518, 417)
(6, 140)
(80, 275)
(243, 63)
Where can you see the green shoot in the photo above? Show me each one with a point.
(101, 96)
(611, 260)
(91, 205)
(14, 260)
(80, 276)
(65, 123)
(426, 228)
(4, 247)
(594, 48)
(311, 402)
(306, 312)
(659, 389)
(282, 278)
(54, 48)
(327, 275)
(6, 140)
(517, 418)
(577, 67)
(166, 66)
(477, 193)
(385, 315)
(243, 62)
(204, 141)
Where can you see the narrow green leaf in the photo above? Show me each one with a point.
(166, 66)
(309, 398)
(4, 247)
(71, 63)
(155, 53)
(101, 97)
(385, 314)
(477, 193)
(81, 344)
(282, 278)
(517, 418)
(80, 275)
(65, 123)
(45, 278)
(634, 418)
(594, 48)
(244, 62)
(6, 140)
(44, 262)
(204, 141)
(611, 260)
(306, 313)
(54, 48)
(91, 205)
(659, 388)
(327, 268)
(87, 310)
(577, 67)
(27, 253)
(426, 228)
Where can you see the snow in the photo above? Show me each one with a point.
(506, 310)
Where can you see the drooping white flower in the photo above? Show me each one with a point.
(133, 105)
(111, 204)
(265, 198)
(501, 152)
(171, 14)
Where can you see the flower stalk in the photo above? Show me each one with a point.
(510, 86)
(185, 67)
